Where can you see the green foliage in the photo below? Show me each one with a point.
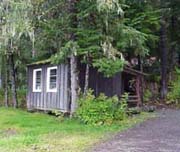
(147, 95)
(89, 41)
(109, 67)
(134, 40)
(154, 78)
(102, 32)
(1, 97)
(121, 109)
(101, 110)
(174, 93)
(21, 96)
(109, 6)
(51, 26)
(16, 15)
(142, 24)
(64, 52)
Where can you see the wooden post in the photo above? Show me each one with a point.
(138, 90)
(142, 88)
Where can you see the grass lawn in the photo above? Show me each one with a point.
(21, 131)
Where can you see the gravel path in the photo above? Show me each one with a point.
(161, 134)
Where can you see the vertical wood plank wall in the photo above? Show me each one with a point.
(100, 84)
(49, 100)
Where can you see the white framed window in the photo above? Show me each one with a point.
(37, 80)
(52, 79)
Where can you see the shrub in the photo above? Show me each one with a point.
(1, 97)
(147, 95)
(21, 95)
(121, 108)
(101, 110)
(174, 93)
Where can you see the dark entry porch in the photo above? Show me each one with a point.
(129, 80)
(132, 83)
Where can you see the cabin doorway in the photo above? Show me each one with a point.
(131, 85)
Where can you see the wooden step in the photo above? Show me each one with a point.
(133, 96)
(133, 101)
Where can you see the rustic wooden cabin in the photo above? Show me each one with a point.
(49, 85)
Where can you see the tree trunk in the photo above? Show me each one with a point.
(86, 84)
(173, 50)
(74, 83)
(73, 59)
(33, 52)
(13, 81)
(140, 67)
(164, 60)
(6, 92)
(6, 100)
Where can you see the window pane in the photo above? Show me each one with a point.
(53, 79)
(52, 85)
(38, 75)
(38, 80)
(53, 72)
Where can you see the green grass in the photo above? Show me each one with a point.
(21, 131)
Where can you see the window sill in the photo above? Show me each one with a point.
(37, 91)
(51, 91)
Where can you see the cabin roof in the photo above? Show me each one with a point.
(127, 69)
(46, 61)
(132, 71)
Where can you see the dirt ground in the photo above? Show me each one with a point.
(160, 134)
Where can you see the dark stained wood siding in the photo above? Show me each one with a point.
(99, 83)
(49, 100)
